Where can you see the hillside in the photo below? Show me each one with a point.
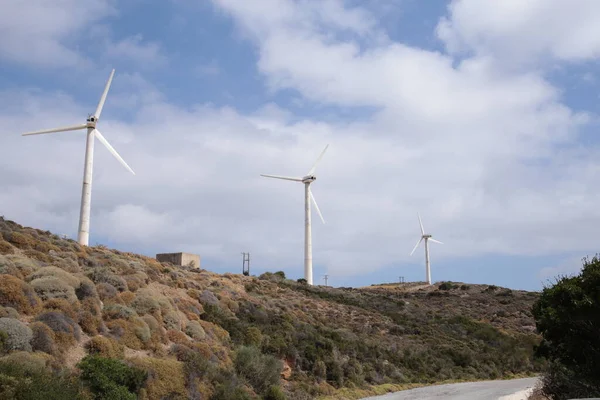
(186, 333)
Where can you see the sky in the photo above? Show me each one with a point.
(481, 116)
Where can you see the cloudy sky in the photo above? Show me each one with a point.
(482, 116)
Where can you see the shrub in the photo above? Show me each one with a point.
(106, 291)
(43, 338)
(66, 330)
(118, 311)
(302, 281)
(5, 247)
(24, 378)
(8, 312)
(90, 316)
(101, 275)
(51, 287)
(567, 315)
(21, 240)
(63, 306)
(166, 378)
(18, 334)
(261, 371)
(195, 331)
(447, 286)
(86, 289)
(105, 347)
(274, 393)
(465, 287)
(111, 379)
(171, 320)
(253, 336)
(61, 274)
(17, 294)
(145, 304)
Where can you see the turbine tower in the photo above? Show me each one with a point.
(308, 198)
(92, 133)
(427, 238)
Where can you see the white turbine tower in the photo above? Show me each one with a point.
(92, 132)
(308, 197)
(427, 238)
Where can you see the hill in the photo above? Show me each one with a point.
(178, 332)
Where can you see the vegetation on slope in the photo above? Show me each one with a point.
(109, 324)
(568, 316)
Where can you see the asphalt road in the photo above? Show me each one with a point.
(514, 389)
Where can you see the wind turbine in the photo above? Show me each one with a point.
(427, 238)
(86, 193)
(308, 197)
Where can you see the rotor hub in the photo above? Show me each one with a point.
(309, 179)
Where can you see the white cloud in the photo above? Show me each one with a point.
(516, 31)
(44, 33)
(67, 33)
(489, 158)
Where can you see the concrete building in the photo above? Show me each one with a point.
(183, 259)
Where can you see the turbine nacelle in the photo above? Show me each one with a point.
(309, 179)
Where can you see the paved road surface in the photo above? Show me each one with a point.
(515, 389)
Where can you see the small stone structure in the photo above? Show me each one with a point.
(184, 259)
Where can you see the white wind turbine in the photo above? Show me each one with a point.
(92, 132)
(427, 238)
(308, 197)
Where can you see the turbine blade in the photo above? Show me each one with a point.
(435, 241)
(287, 178)
(312, 170)
(316, 205)
(416, 245)
(421, 223)
(103, 98)
(65, 129)
(113, 151)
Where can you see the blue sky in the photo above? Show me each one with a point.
(476, 115)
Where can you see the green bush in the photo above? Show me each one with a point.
(261, 371)
(567, 315)
(111, 379)
(447, 286)
(18, 381)
(274, 393)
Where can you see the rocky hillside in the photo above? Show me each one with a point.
(101, 323)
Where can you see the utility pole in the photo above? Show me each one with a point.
(246, 264)
(401, 279)
(325, 277)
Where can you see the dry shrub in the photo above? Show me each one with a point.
(126, 297)
(86, 289)
(90, 316)
(133, 333)
(5, 247)
(43, 338)
(21, 240)
(118, 311)
(17, 294)
(203, 349)
(45, 247)
(30, 362)
(136, 281)
(51, 287)
(215, 331)
(144, 303)
(178, 337)
(166, 378)
(18, 334)
(56, 272)
(25, 265)
(105, 347)
(66, 331)
(195, 331)
(62, 305)
(106, 291)
(67, 262)
(38, 255)
(171, 320)
(103, 275)
(8, 312)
